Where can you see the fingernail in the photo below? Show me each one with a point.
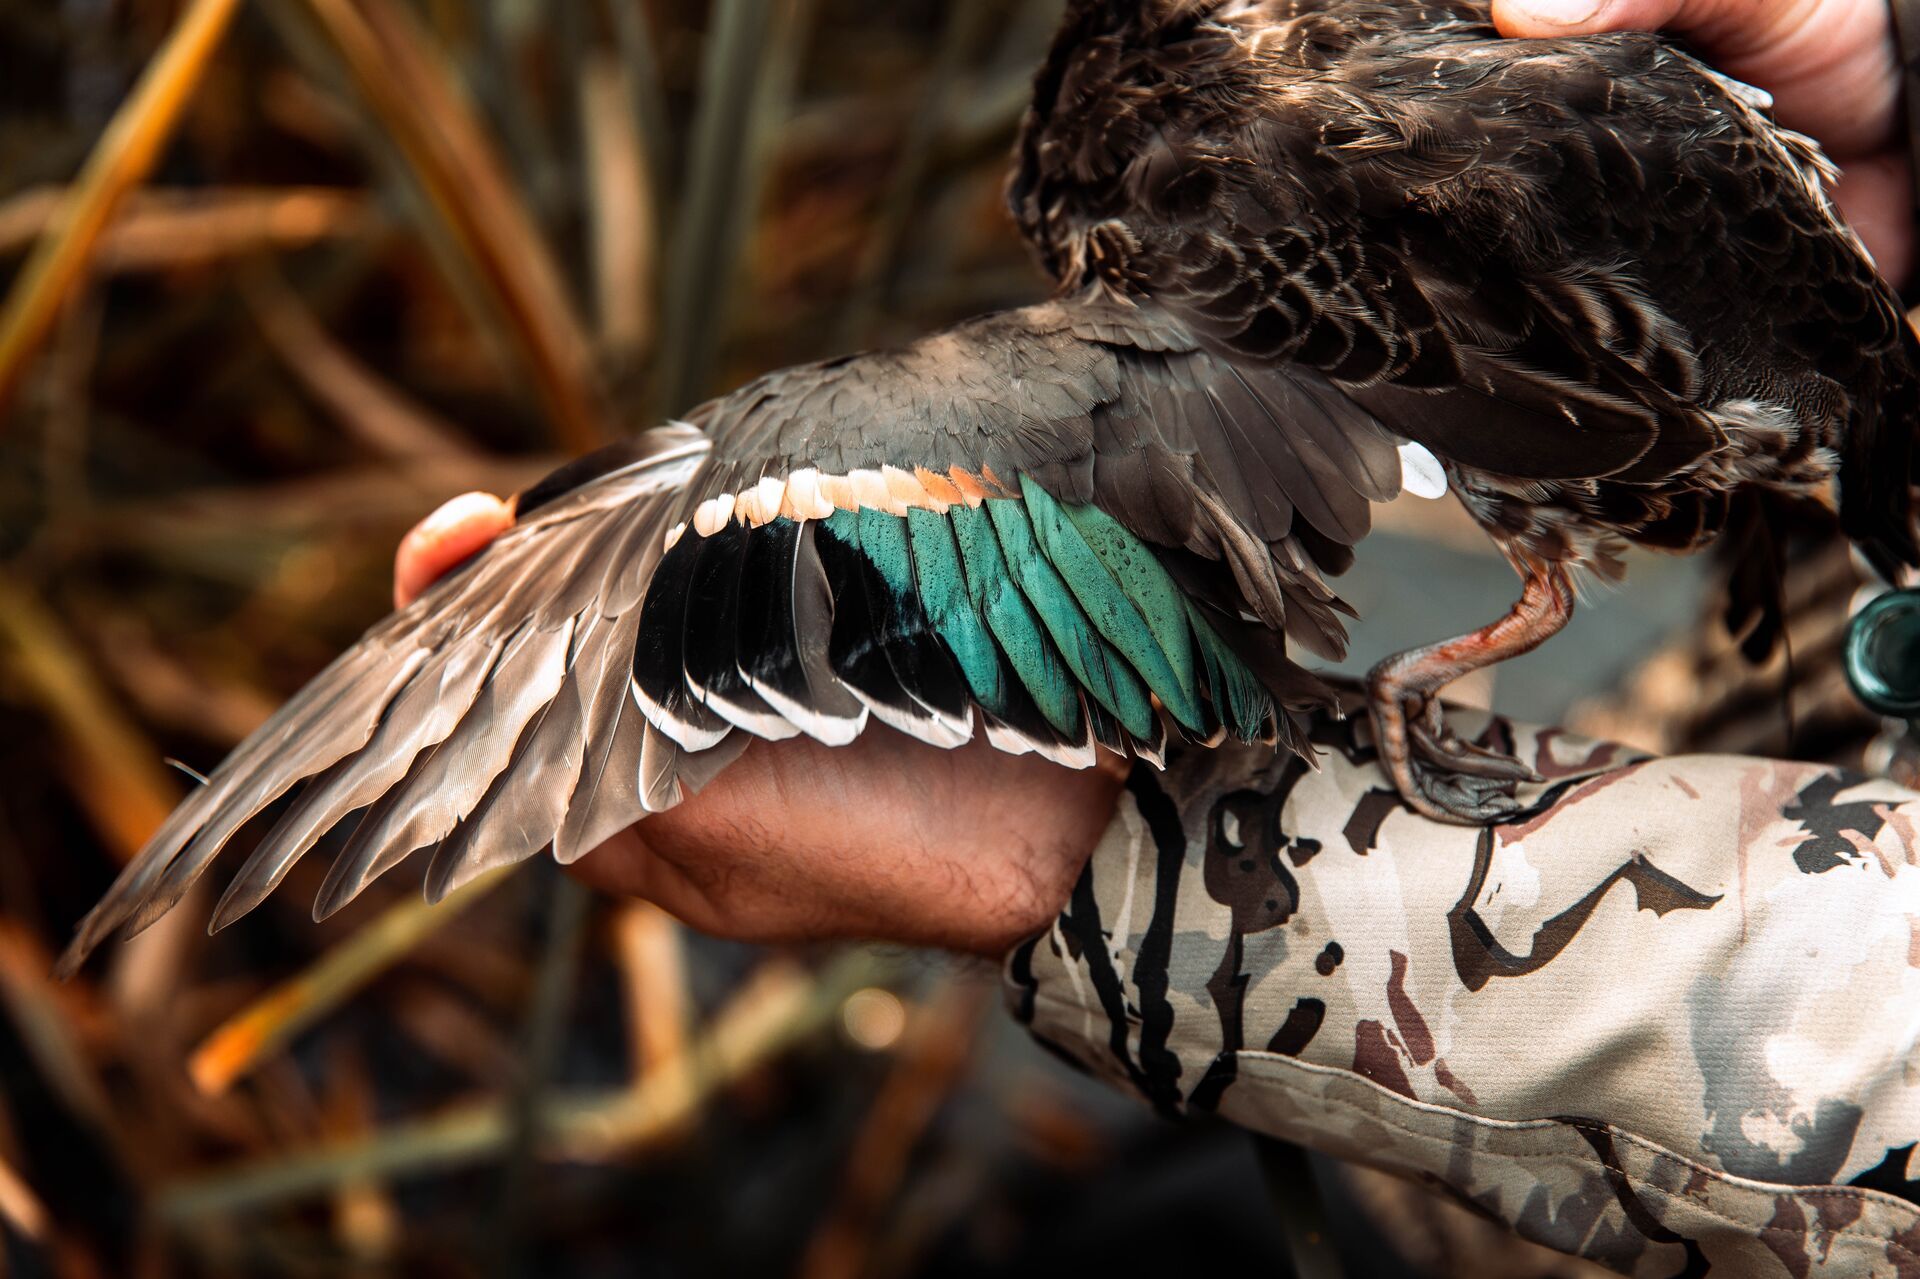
(458, 529)
(1564, 13)
(459, 510)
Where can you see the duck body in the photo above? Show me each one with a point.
(1591, 275)
(1297, 248)
(1591, 265)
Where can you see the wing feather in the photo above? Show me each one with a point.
(581, 672)
(422, 808)
(607, 798)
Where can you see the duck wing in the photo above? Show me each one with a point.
(1069, 523)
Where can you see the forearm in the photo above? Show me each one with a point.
(1666, 1016)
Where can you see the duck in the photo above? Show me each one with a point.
(1304, 254)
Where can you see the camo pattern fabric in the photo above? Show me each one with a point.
(1664, 1018)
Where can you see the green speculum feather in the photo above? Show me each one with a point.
(1062, 598)
(1095, 663)
(942, 583)
(1125, 593)
(1011, 618)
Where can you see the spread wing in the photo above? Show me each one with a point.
(1069, 524)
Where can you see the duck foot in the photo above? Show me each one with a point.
(1438, 773)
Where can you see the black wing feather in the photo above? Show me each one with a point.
(784, 624)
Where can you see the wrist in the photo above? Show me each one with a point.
(1033, 864)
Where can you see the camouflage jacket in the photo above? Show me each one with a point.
(1665, 1019)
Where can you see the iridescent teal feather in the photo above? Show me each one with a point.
(1099, 667)
(991, 586)
(884, 539)
(1069, 599)
(844, 525)
(1239, 698)
(1126, 594)
(942, 582)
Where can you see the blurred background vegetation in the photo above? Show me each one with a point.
(280, 276)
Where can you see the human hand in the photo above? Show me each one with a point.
(888, 838)
(1831, 66)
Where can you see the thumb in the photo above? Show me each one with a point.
(445, 538)
(1540, 19)
(1830, 64)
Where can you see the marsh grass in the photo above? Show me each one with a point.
(275, 278)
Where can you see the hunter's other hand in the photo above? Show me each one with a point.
(1831, 66)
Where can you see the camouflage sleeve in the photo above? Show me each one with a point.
(1665, 1019)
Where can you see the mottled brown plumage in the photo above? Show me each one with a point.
(1290, 240)
(1589, 274)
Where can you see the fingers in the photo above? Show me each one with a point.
(445, 538)
(1728, 28)
(1831, 65)
(1543, 19)
(885, 839)
(1876, 198)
